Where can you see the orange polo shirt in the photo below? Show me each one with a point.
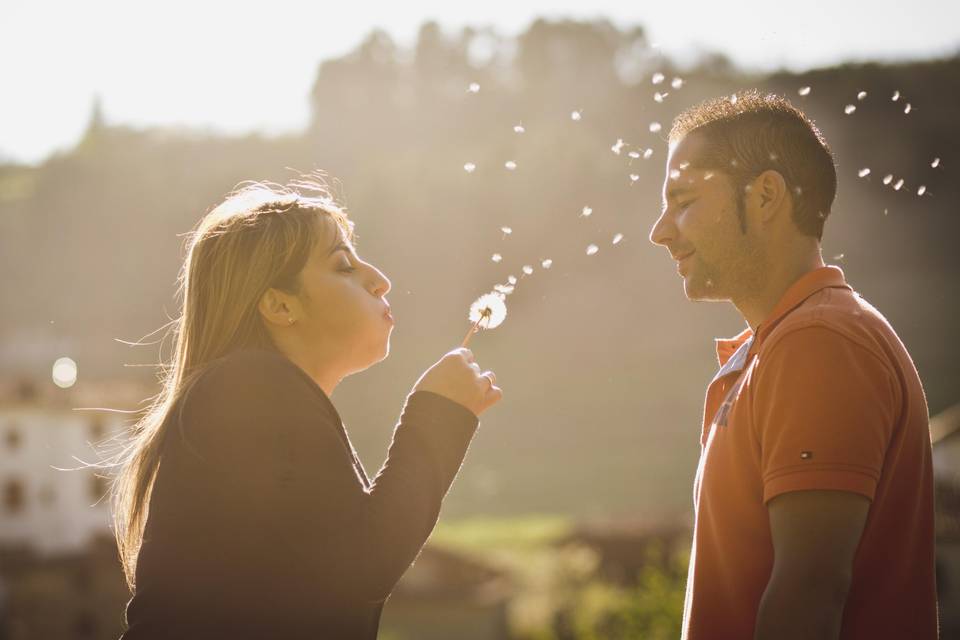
(825, 396)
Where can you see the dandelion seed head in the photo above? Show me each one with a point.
(922, 190)
(496, 257)
(804, 91)
(863, 173)
(546, 264)
(676, 83)
(887, 179)
(617, 238)
(850, 108)
(489, 310)
(657, 78)
(474, 87)
(898, 185)
(935, 163)
(647, 154)
(575, 116)
(861, 95)
(655, 127)
(592, 249)
(527, 269)
(510, 165)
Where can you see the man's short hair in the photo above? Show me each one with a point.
(748, 133)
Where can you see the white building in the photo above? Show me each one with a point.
(43, 508)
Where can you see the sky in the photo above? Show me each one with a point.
(235, 67)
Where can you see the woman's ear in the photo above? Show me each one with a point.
(275, 308)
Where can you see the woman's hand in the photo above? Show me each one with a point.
(458, 377)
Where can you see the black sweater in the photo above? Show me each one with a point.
(262, 522)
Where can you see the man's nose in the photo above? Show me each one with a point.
(663, 230)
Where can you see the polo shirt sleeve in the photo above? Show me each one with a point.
(824, 411)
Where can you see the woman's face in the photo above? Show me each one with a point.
(344, 312)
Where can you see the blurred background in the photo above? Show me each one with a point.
(122, 124)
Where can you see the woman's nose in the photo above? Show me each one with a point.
(380, 283)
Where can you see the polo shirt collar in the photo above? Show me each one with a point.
(807, 285)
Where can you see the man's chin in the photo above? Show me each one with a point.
(698, 290)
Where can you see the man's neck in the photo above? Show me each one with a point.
(756, 306)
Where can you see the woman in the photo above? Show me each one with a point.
(241, 509)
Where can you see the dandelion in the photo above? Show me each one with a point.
(647, 154)
(935, 163)
(655, 127)
(496, 257)
(510, 165)
(634, 154)
(527, 270)
(518, 128)
(512, 279)
(657, 78)
(487, 312)
(469, 167)
(585, 213)
(592, 249)
(863, 173)
(898, 185)
(474, 87)
(849, 109)
(887, 179)
(617, 238)
(658, 97)
(861, 95)
(895, 96)
(617, 146)
(634, 177)
(922, 190)
(506, 230)
(546, 264)
(575, 116)
(804, 91)
(676, 83)
(907, 108)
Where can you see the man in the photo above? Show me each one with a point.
(814, 492)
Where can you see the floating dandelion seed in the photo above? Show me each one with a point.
(474, 87)
(804, 91)
(617, 238)
(674, 174)
(676, 83)
(654, 127)
(512, 279)
(887, 179)
(861, 95)
(496, 257)
(634, 177)
(733, 98)
(922, 190)
(683, 166)
(838, 257)
(634, 154)
(510, 165)
(895, 96)
(505, 289)
(657, 78)
(592, 249)
(935, 163)
(898, 185)
(546, 264)
(487, 312)
(506, 230)
(849, 109)
(469, 167)
(907, 108)
(617, 146)
(773, 157)
(658, 97)
(708, 175)
(863, 173)
(647, 154)
(527, 269)
(586, 212)
(575, 116)
(518, 128)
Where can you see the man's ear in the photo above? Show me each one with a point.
(769, 194)
(274, 308)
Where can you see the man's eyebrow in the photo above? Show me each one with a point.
(676, 192)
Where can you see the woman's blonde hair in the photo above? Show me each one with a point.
(258, 238)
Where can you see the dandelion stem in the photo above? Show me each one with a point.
(472, 331)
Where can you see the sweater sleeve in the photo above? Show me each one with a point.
(272, 440)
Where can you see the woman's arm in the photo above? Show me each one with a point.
(273, 440)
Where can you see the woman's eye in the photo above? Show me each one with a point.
(346, 268)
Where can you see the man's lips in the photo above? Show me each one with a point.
(682, 256)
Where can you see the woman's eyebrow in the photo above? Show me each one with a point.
(338, 247)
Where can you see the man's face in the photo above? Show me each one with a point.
(700, 227)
